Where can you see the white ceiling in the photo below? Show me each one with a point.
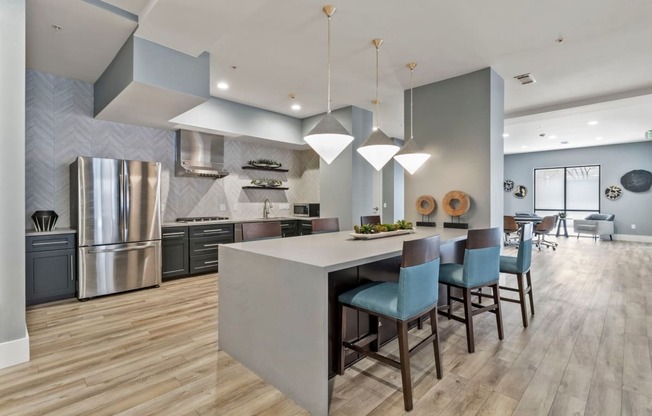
(279, 48)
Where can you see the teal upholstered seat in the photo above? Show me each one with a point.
(518, 266)
(416, 291)
(414, 295)
(481, 268)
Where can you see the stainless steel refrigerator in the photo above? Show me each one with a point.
(115, 208)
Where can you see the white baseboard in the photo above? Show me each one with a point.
(634, 238)
(14, 352)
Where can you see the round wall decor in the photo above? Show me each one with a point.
(520, 191)
(456, 203)
(426, 204)
(508, 185)
(613, 192)
(637, 180)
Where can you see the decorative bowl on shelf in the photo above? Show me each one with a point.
(266, 182)
(44, 220)
(265, 163)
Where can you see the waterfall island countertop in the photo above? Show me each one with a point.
(273, 308)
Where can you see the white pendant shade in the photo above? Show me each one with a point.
(378, 149)
(411, 157)
(328, 138)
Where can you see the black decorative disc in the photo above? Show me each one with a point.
(508, 185)
(637, 180)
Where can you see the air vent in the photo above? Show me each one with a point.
(648, 134)
(525, 79)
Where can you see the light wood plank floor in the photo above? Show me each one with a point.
(154, 352)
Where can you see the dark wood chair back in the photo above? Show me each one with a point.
(370, 219)
(252, 231)
(325, 225)
(420, 251)
(488, 237)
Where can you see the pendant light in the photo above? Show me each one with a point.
(378, 149)
(411, 157)
(328, 138)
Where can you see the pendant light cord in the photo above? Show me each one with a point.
(411, 107)
(377, 92)
(329, 65)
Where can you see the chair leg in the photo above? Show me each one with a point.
(448, 301)
(404, 354)
(611, 237)
(420, 322)
(435, 343)
(521, 298)
(468, 317)
(374, 329)
(342, 326)
(529, 285)
(480, 295)
(499, 313)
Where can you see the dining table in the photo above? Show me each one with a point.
(277, 302)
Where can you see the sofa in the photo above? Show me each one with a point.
(596, 225)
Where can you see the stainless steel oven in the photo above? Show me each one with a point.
(305, 210)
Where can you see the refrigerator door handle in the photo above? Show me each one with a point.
(125, 201)
(115, 250)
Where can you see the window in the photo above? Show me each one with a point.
(573, 189)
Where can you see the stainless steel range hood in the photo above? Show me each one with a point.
(200, 155)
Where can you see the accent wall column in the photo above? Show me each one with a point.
(14, 341)
(459, 121)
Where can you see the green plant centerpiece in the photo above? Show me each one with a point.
(382, 228)
(561, 214)
(265, 163)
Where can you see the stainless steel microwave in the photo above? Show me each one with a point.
(306, 210)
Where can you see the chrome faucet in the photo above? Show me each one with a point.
(266, 207)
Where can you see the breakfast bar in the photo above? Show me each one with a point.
(274, 313)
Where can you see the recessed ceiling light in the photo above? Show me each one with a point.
(598, 138)
(564, 142)
(592, 123)
(523, 147)
(223, 85)
(552, 137)
(56, 27)
(296, 107)
(505, 134)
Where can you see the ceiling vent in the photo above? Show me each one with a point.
(525, 79)
(648, 134)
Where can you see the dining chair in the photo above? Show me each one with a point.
(369, 219)
(510, 226)
(543, 229)
(520, 266)
(481, 268)
(325, 225)
(252, 231)
(415, 294)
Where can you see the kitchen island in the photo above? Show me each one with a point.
(274, 299)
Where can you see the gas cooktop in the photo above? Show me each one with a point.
(201, 219)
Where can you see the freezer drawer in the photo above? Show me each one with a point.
(118, 267)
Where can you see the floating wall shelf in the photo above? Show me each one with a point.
(249, 167)
(266, 187)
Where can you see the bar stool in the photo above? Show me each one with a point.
(252, 231)
(369, 219)
(518, 266)
(415, 294)
(481, 268)
(325, 225)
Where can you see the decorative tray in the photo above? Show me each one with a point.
(373, 236)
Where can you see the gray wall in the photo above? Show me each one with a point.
(345, 186)
(12, 177)
(60, 111)
(615, 161)
(459, 121)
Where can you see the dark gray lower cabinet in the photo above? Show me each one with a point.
(290, 228)
(305, 227)
(50, 268)
(174, 252)
(205, 241)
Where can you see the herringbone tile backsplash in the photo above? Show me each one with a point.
(60, 126)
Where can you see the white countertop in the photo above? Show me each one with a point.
(335, 251)
(235, 221)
